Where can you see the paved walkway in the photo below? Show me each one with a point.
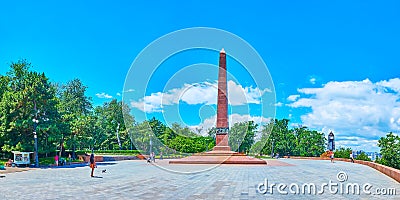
(139, 180)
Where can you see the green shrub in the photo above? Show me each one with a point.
(117, 152)
(263, 156)
(342, 152)
(363, 156)
(2, 162)
(46, 161)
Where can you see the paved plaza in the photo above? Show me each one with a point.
(140, 180)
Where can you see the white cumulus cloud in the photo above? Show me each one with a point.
(361, 110)
(313, 80)
(103, 95)
(293, 97)
(129, 90)
(199, 93)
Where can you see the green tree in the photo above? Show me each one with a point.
(74, 106)
(265, 144)
(211, 132)
(115, 125)
(183, 131)
(169, 140)
(390, 150)
(343, 152)
(26, 95)
(141, 136)
(308, 143)
(278, 138)
(183, 139)
(241, 136)
(257, 147)
(281, 139)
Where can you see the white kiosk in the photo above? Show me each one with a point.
(22, 158)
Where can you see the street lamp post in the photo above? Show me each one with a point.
(150, 145)
(130, 136)
(238, 143)
(272, 149)
(35, 123)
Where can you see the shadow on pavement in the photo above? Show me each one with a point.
(78, 165)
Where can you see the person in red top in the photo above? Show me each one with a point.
(56, 159)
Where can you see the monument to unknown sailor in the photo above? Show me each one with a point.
(221, 154)
(222, 136)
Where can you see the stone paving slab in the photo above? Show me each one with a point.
(140, 180)
(15, 169)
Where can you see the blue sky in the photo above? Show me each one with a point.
(334, 65)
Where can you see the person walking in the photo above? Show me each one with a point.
(92, 164)
(332, 156)
(69, 159)
(352, 157)
(153, 156)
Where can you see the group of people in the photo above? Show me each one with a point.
(152, 157)
(9, 163)
(92, 161)
(58, 161)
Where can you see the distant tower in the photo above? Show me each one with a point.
(331, 141)
(222, 106)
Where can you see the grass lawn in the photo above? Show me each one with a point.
(2, 161)
(264, 157)
(50, 161)
(46, 161)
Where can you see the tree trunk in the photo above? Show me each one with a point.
(119, 141)
(73, 147)
(61, 145)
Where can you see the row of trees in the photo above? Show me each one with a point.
(170, 139)
(278, 138)
(65, 116)
(343, 152)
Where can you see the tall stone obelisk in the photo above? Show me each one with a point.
(222, 131)
(221, 153)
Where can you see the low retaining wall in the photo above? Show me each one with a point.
(119, 158)
(86, 158)
(389, 171)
